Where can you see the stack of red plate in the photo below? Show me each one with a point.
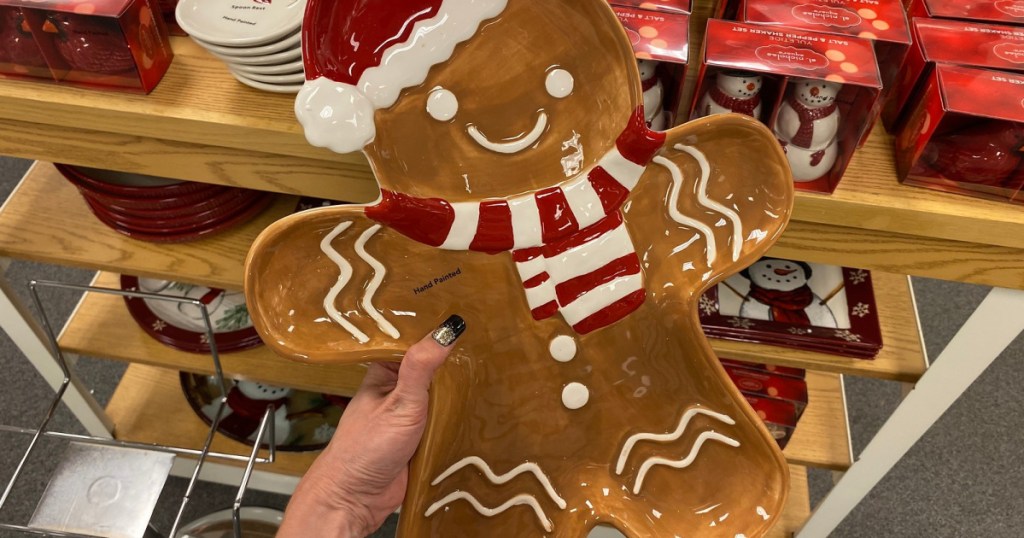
(160, 209)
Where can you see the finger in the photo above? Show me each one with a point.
(380, 377)
(423, 359)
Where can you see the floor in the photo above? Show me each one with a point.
(963, 479)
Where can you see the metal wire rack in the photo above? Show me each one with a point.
(265, 433)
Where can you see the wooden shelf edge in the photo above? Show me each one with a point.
(149, 406)
(902, 357)
(822, 437)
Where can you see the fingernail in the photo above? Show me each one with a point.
(449, 331)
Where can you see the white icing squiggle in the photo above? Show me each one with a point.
(685, 462)
(490, 512)
(375, 282)
(683, 422)
(673, 208)
(702, 195)
(527, 467)
(345, 275)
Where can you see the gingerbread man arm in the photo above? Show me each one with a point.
(331, 285)
(722, 190)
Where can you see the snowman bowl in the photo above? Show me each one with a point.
(522, 190)
(304, 421)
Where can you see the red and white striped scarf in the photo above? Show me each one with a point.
(569, 243)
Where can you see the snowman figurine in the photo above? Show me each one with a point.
(733, 91)
(807, 126)
(654, 95)
(247, 402)
(779, 291)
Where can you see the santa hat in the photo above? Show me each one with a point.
(360, 54)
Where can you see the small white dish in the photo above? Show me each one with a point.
(276, 88)
(270, 59)
(288, 43)
(240, 23)
(280, 69)
(289, 79)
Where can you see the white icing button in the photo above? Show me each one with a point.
(442, 104)
(563, 348)
(559, 83)
(575, 395)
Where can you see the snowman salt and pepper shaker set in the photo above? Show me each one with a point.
(654, 95)
(807, 126)
(734, 91)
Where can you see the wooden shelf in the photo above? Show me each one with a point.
(822, 437)
(45, 219)
(798, 506)
(149, 407)
(102, 327)
(202, 125)
(902, 357)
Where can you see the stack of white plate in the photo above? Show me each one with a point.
(259, 41)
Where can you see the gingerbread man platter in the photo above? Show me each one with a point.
(522, 189)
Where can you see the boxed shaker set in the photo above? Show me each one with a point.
(997, 11)
(965, 134)
(818, 92)
(668, 6)
(883, 21)
(777, 394)
(660, 40)
(957, 42)
(119, 44)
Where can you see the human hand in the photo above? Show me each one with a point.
(361, 477)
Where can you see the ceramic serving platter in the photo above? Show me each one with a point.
(275, 88)
(181, 326)
(184, 234)
(303, 420)
(803, 305)
(522, 190)
(158, 187)
(277, 58)
(240, 23)
(279, 69)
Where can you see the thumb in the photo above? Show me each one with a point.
(423, 359)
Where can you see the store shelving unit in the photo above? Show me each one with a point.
(200, 124)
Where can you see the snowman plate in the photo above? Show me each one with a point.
(811, 306)
(304, 420)
(181, 325)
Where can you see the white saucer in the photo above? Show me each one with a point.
(288, 43)
(277, 58)
(276, 88)
(240, 23)
(287, 79)
(280, 69)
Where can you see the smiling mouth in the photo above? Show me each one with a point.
(514, 145)
(784, 272)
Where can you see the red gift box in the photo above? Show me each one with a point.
(883, 21)
(769, 385)
(120, 44)
(798, 373)
(958, 42)
(661, 43)
(669, 6)
(789, 63)
(965, 134)
(779, 416)
(997, 11)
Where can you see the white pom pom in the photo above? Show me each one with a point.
(335, 116)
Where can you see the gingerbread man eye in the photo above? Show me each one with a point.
(559, 83)
(442, 104)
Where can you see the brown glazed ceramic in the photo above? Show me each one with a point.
(583, 391)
